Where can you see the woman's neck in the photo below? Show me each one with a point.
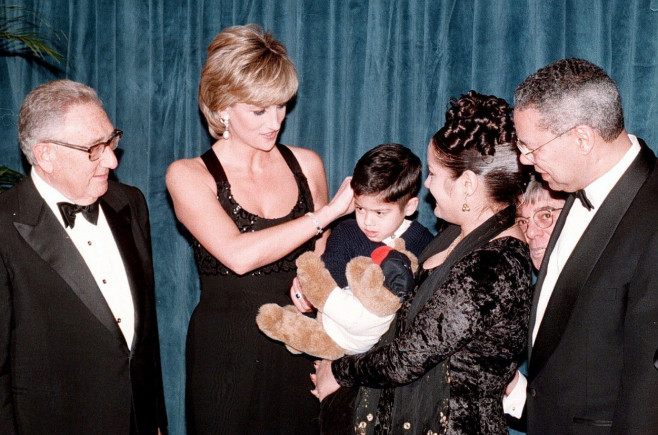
(243, 156)
(475, 219)
(466, 227)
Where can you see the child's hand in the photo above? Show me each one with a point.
(298, 299)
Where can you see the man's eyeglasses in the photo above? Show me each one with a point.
(94, 151)
(543, 218)
(528, 153)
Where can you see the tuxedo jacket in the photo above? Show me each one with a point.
(65, 367)
(591, 367)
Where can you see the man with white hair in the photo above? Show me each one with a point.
(79, 349)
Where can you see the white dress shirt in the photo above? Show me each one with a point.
(575, 225)
(577, 222)
(99, 250)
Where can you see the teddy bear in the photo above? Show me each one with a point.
(367, 306)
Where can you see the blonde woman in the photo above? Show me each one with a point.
(253, 206)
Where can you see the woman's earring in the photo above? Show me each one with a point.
(465, 207)
(224, 121)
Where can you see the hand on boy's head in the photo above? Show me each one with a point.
(344, 197)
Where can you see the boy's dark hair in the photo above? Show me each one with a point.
(391, 171)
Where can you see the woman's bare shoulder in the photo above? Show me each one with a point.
(189, 172)
(185, 165)
(307, 158)
(313, 169)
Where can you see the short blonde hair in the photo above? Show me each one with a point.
(245, 64)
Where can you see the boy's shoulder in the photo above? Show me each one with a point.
(346, 233)
(345, 226)
(417, 230)
(416, 237)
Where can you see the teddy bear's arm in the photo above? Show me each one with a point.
(366, 280)
(297, 331)
(315, 279)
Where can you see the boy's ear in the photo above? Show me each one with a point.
(411, 206)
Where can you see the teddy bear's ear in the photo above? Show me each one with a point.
(400, 245)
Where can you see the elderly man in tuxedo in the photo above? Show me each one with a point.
(594, 319)
(79, 349)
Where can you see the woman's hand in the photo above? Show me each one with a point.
(301, 303)
(341, 204)
(344, 197)
(325, 383)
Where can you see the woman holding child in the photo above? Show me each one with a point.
(238, 381)
(460, 331)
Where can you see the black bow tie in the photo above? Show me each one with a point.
(580, 194)
(68, 210)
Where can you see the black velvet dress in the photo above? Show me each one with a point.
(456, 344)
(238, 380)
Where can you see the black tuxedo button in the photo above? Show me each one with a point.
(532, 392)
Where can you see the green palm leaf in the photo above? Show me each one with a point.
(8, 177)
(23, 30)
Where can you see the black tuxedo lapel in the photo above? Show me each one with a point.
(43, 232)
(584, 257)
(118, 214)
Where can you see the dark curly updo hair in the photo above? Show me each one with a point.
(479, 136)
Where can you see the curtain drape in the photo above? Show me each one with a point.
(370, 72)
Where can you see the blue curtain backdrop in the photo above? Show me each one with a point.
(370, 72)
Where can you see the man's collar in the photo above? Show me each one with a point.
(49, 194)
(599, 189)
(398, 233)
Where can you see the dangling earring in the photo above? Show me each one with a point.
(465, 207)
(224, 121)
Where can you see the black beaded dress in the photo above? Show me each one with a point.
(238, 380)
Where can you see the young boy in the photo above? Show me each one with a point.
(386, 182)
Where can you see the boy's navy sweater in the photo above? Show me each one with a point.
(347, 241)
